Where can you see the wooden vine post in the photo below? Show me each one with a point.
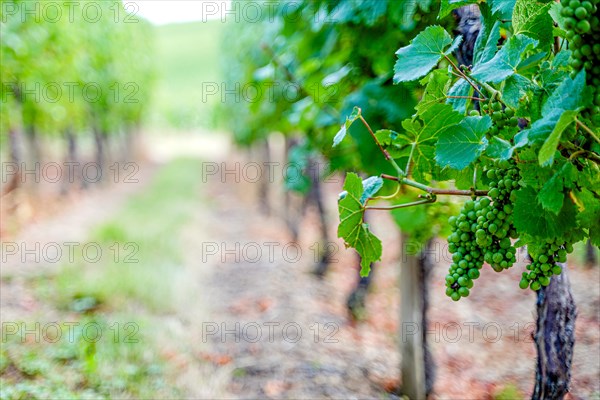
(554, 338)
(416, 367)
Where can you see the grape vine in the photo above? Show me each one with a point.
(517, 131)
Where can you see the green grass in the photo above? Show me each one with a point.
(111, 293)
(145, 233)
(74, 367)
(187, 56)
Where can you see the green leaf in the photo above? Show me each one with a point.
(344, 129)
(460, 145)
(371, 186)
(423, 53)
(397, 145)
(424, 136)
(515, 87)
(555, 13)
(539, 131)
(435, 91)
(460, 88)
(531, 18)
(504, 7)
(499, 148)
(589, 214)
(551, 196)
(506, 61)
(569, 95)
(530, 217)
(353, 229)
(546, 154)
(486, 44)
(447, 6)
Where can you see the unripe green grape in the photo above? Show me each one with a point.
(569, 248)
(473, 273)
(581, 12)
(583, 26)
(556, 270)
(523, 284)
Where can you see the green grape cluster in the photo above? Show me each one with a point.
(582, 21)
(482, 231)
(467, 258)
(504, 119)
(544, 264)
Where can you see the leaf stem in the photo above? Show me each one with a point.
(404, 205)
(412, 150)
(587, 129)
(466, 97)
(463, 75)
(384, 151)
(436, 191)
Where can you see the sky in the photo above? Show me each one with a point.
(160, 12)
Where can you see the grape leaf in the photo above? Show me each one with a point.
(589, 214)
(499, 148)
(424, 135)
(506, 61)
(460, 145)
(460, 89)
(435, 91)
(569, 95)
(546, 154)
(397, 145)
(344, 129)
(539, 131)
(530, 217)
(551, 197)
(531, 18)
(486, 44)
(504, 7)
(371, 186)
(353, 229)
(423, 53)
(515, 87)
(448, 5)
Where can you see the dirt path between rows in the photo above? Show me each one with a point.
(31, 251)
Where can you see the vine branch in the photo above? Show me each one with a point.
(436, 191)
